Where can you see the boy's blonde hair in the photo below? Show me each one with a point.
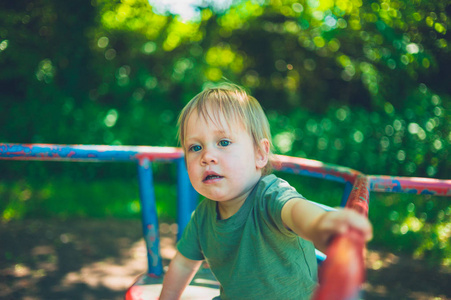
(234, 103)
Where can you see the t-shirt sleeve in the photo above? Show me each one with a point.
(189, 245)
(276, 194)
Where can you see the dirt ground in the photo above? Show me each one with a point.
(100, 259)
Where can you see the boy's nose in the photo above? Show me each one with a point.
(209, 157)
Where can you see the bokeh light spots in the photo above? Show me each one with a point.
(111, 118)
(102, 42)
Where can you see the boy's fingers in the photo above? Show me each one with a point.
(362, 224)
(349, 218)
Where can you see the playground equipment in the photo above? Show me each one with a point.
(342, 272)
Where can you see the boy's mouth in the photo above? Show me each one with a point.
(212, 177)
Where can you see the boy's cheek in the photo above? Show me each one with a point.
(191, 170)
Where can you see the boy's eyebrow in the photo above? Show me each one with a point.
(218, 132)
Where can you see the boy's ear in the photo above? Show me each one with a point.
(262, 154)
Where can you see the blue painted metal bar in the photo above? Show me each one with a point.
(149, 218)
(186, 198)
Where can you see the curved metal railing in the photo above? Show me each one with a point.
(342, 273)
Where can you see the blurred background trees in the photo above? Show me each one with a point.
(364, 84)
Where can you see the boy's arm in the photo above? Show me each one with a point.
(311, 222)
(180, 273)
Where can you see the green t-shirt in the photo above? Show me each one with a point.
(252, 254)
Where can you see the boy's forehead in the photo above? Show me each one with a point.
(218, 119)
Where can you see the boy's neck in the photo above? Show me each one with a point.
(227, 209)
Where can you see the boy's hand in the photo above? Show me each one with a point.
(340, 221)
(343, 272)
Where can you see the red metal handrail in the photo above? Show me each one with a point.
(410, 185)
(86, 153)
(314, 168)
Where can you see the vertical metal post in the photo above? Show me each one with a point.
(346, 193)
(343, 272)
(149, 218)
(186, 197)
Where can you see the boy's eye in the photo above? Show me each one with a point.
(195, 148)
(224, 143)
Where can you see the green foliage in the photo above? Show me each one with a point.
(364, 84)
(63, 198)
(402, 143)
(127, 70)
(418, 225)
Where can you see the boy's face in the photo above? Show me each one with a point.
(222, 162)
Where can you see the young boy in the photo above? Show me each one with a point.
(254, 230)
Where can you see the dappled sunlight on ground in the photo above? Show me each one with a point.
(100, 259)
(391, 276)
(110, 273)
(73, 259)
